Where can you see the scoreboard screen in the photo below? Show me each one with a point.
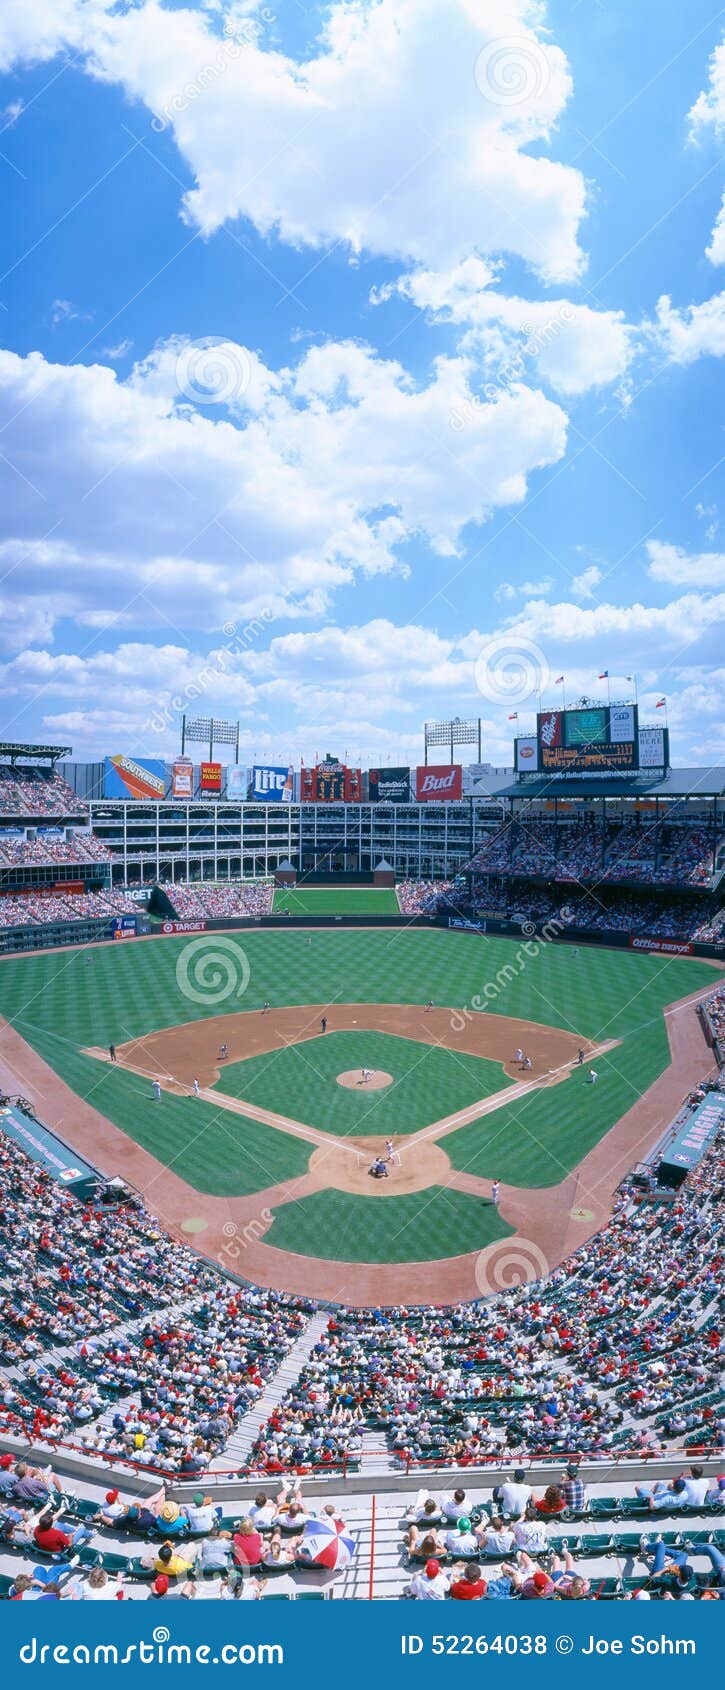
(589, 740)
(330, 785)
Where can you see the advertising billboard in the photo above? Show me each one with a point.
(330, 783)
(652, 750)
(134, 777)
(236, 781)
(272, 783)
(433, 783)
(182, 778)
(389, 786)
(526, 754)
(210, 777)
(591, 739)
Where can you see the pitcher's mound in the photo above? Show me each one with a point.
(353, 1077)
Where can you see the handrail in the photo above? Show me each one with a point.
(409, 1463)
(371, 1585)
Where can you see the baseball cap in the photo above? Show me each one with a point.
(432, 1569)
(540, 1581)
(111, 1496)
(572, 1470)
(198, 1498)
(464, 1525)
(6, 1460)
(160, 1585)
(519, 1475)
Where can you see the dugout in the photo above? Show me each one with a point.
(691, 1140)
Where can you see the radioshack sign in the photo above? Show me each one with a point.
(434, 784)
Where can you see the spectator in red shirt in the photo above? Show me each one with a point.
(553, 1501)
(247, 1549)
(471, 1587)
(49, 1536)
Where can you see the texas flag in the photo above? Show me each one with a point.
(514, 717)
(661, 703)
(559, 682)
(604, 675)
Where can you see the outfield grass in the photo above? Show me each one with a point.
(64, 1000)
(424, 1226)
(335, 900)
(302, 1081)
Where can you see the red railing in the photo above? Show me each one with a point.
(407, 1463)
(371, 1585)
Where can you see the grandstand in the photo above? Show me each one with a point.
(171, 1424)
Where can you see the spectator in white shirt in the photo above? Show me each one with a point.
(462, 1540)
(262, 1511)
(456, 1506)
(531, 1536)
(497, 1539)
(695, 1487)
(431, 1585)
(514, 1495)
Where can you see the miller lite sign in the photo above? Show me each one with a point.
(436, 784)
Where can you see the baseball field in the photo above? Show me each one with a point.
(310, 1050)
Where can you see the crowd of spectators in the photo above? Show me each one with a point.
(625, 1329)
(218, 900)
(150, 1546)
(75, 848)
(116, 1336)
(27, 791)
(583, 849)
(43, 909)
(679, 919)
(713, 1010)
(422, 897)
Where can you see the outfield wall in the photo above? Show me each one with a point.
(553, 931)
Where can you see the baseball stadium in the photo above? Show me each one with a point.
(361, 1137)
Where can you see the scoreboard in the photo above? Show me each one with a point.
(591, 739)
(330, 783)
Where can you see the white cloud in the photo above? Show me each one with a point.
(631, 628)
(696, 332)
(123, 497)
(708, 114)
(572, 347)
(583, 585)
(708, 111)
(405, 132)
(716, 250)
(683, 569)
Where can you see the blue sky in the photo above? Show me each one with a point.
(360, 365)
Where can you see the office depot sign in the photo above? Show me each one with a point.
(441, 782)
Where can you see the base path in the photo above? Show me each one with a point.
(191, 1049)
(549, 1223)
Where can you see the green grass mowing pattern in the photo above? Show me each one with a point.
(422, 1226)
(302, 1081)
(64, 1000)
(335, 900)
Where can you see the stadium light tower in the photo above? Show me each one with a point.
(453, 733)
